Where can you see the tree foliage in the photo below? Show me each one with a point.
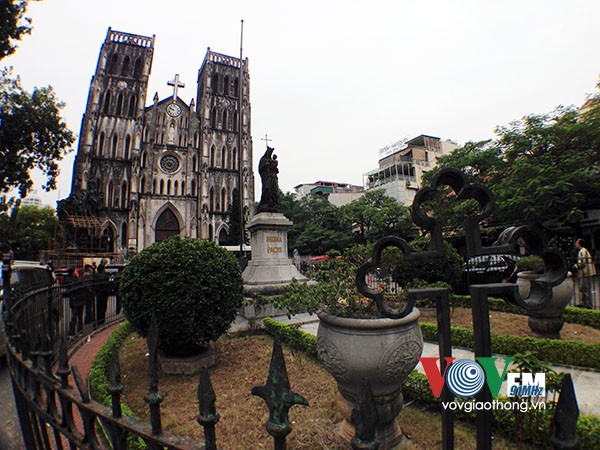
(542, 168)
(375, 215)
(13, 25)
(317, 227)
(29, 230)
(32, 135)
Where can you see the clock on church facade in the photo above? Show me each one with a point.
(168, 166)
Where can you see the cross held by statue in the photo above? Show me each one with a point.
(176, 84)
(266, 139)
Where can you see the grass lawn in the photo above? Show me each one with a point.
(243, 363)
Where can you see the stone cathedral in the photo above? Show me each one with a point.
(145, 173)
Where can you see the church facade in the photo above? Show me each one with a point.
(149, 172)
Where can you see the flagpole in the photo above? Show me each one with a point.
(240, 147)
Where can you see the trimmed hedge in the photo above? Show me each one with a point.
(552, 351)
(587, 317)
(535, 426)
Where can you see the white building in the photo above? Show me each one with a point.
(338, 194)
(402, 164)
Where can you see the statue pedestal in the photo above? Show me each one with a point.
(270, 268)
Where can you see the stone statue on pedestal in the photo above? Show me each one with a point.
(268, 170)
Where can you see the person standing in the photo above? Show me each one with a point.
(585, 271)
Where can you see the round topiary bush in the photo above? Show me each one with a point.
(193, 287)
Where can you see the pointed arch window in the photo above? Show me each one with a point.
(124, 234)
(137, 70)
(142, 185)
(225, 124)
(235, 158)
(124, 195)
(115, 142)
(183, 188)
(212, 199)
(234, 125)
(119, 110)
(223, 157)
(224, 199)
(168, 187)
(236, 87)
(175, 187)
(213, 156)
(154, 186)
(162, 187)
(213, 120)
(143, 159)
(215, 83)
(193, 188)
(132, 102)
(125, 67)
(110, 192)
(114, 63)
(226, 86)
(101, 144)
(106, 106)
(127, 147)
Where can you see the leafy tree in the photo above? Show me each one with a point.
(317, 228)
(13, 25)
(542, 168)
(32, 135)
(30, 230)
(375, 215)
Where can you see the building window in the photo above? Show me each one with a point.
(225, 124)
(132, 101)
(234, 158)
(213, 156)
(127, 147)
(114, 62)
(124, 235)
(110, 192)
(223, 157)
(125, 68)
(142, 185)
(224, 199)
(168, 187)
(106, 106)
(119, 110)
(124, 195)
(143, 160)
(137, 71)
(214, 118)
(215, 83)
(226, 86)
(115, 142)
(236, 87)
(162, 187)
(101, 144)
(175, 187)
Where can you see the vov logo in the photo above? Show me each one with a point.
(465, 377)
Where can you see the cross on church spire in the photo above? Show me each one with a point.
(176, 84)
(266, 139)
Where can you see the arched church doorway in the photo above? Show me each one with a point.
(167, 225)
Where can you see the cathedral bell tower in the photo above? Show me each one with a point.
(110, 138)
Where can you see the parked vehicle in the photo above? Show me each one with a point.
(485, 269)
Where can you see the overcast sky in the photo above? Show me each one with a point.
(331, 82)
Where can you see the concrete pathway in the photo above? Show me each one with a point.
(586, 382)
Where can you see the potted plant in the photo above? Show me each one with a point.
(193, 288)
(355, 342)
(550, 320)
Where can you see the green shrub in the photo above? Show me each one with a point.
(193, 287)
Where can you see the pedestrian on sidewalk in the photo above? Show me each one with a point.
(585, 270)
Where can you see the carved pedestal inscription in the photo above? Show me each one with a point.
(272, 244)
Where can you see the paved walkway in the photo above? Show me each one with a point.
(586, 382)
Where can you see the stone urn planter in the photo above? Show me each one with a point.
(550, 320)
(384, 351)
